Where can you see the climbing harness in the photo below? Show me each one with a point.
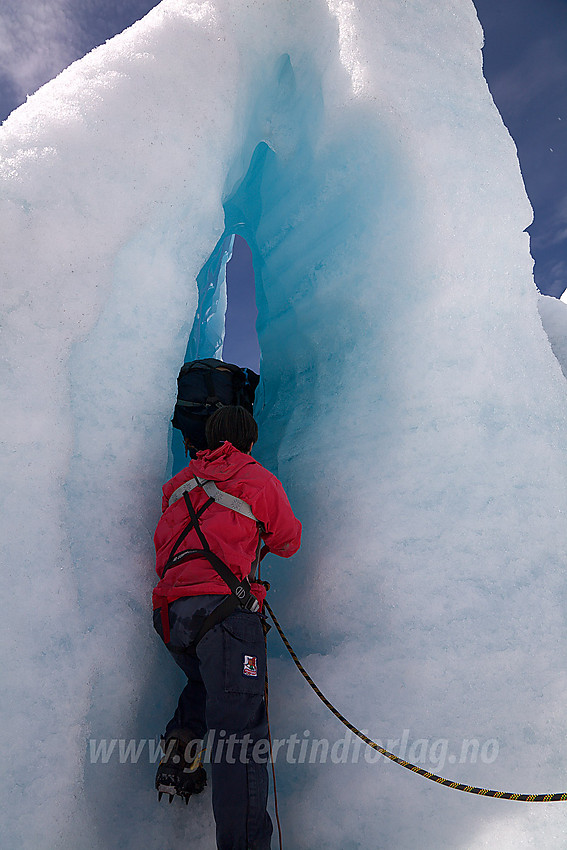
(240, 591)
(457, 786)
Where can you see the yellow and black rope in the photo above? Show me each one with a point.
(457, 786)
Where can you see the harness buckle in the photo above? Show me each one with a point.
(251, 604)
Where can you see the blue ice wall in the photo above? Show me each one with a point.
(207, 333)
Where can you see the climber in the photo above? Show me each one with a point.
(216, 513)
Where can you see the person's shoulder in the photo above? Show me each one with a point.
(265, 479)
(178, 479)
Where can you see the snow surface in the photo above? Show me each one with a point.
(410, 403)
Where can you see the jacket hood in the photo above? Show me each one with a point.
(220, 464)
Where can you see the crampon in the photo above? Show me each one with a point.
(177, 776)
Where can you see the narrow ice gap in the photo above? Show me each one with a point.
(225, 322)
(242, 211)
(241, 344)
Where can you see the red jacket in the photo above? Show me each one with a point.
(230, 535)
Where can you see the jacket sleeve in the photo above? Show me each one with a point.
(283, 529)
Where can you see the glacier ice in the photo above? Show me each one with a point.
(410, 402)
(553, 314)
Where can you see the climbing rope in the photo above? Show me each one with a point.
(457, 786)
(265, 628)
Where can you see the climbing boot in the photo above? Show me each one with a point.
(176, 775)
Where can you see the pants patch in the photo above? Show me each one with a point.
(250, 667)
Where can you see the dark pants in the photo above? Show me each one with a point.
(224, 696)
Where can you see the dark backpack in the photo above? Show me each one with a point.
(202, 387)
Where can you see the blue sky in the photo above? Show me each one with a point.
(525, 65)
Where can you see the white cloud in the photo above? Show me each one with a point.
(37, 40)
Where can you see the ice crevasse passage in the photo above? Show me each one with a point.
(410, 402)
